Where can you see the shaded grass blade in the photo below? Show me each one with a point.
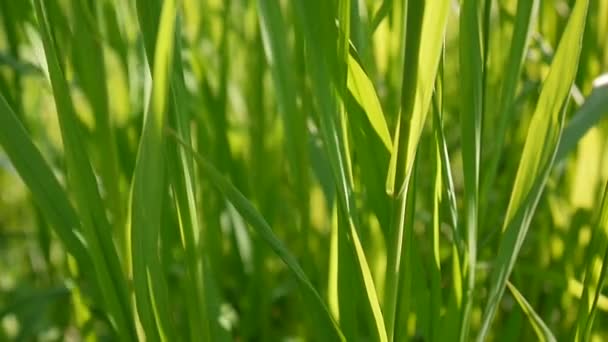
(149, 186)
(45, 188)
(257, 222)
(81, 180)
(595, 275)
(542, 331)
(472, 76)
(590, 113)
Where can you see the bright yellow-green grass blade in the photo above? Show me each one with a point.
(524, 19)
(322, 314)
(426, 24)
(595, 274)
(326, 86)
(148, 190)
(537, 157)
(81, 180)
(431, 41)
(362, 89)
(540, 328)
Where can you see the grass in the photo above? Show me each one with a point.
(340, 170)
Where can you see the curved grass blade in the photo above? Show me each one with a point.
(542, 331)
(328, 72)
(81, 180)
(362, 89)
(595, 274)
(426, 24)
(537, 157)
(46, 190)
(524, 19)
(590, 113)
(257, 222)
(148, 188)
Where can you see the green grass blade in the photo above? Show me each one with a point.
(148, 189)
(257, 222)
(590, 113)
(93, 82)
(362, 89)
(425, 30)
(471, 111)
(595, 274)
(81, 180)
(542, 331)
(537, 157)
(46, 190)
(327, 84)
(524, 19)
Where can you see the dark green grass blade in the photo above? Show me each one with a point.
(471, 111)
(46, 190)
(595, 275)
(148, 188)
(328, 72)
(257, 222)
(81, 180)
(525, 16)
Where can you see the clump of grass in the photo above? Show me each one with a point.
(340, 170)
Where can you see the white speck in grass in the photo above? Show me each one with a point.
(601, 81)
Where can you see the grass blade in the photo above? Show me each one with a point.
(257, 222)
(148, 188)
(471, 111)
(81, 180)
(595, 275)
(46, 190)
(362, 89)
(590, 113)
(542, 331)
(537, 157)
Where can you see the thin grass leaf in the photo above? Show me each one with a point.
(595, 274)
(81, 180)
(526, 13)
(45, 188)
(328, 84)
(362, 89)
(537, 157)
(257, 222)
(425, 30)
(148, 188)
(590, 113)
(471, 111)
(540, 328)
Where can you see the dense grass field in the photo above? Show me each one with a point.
(303, 170)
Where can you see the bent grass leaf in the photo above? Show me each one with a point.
(542, 331)
(595, 274)
(45, 188)
(362, 89)
(257, 222)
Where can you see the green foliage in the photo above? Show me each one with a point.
(264, 170)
